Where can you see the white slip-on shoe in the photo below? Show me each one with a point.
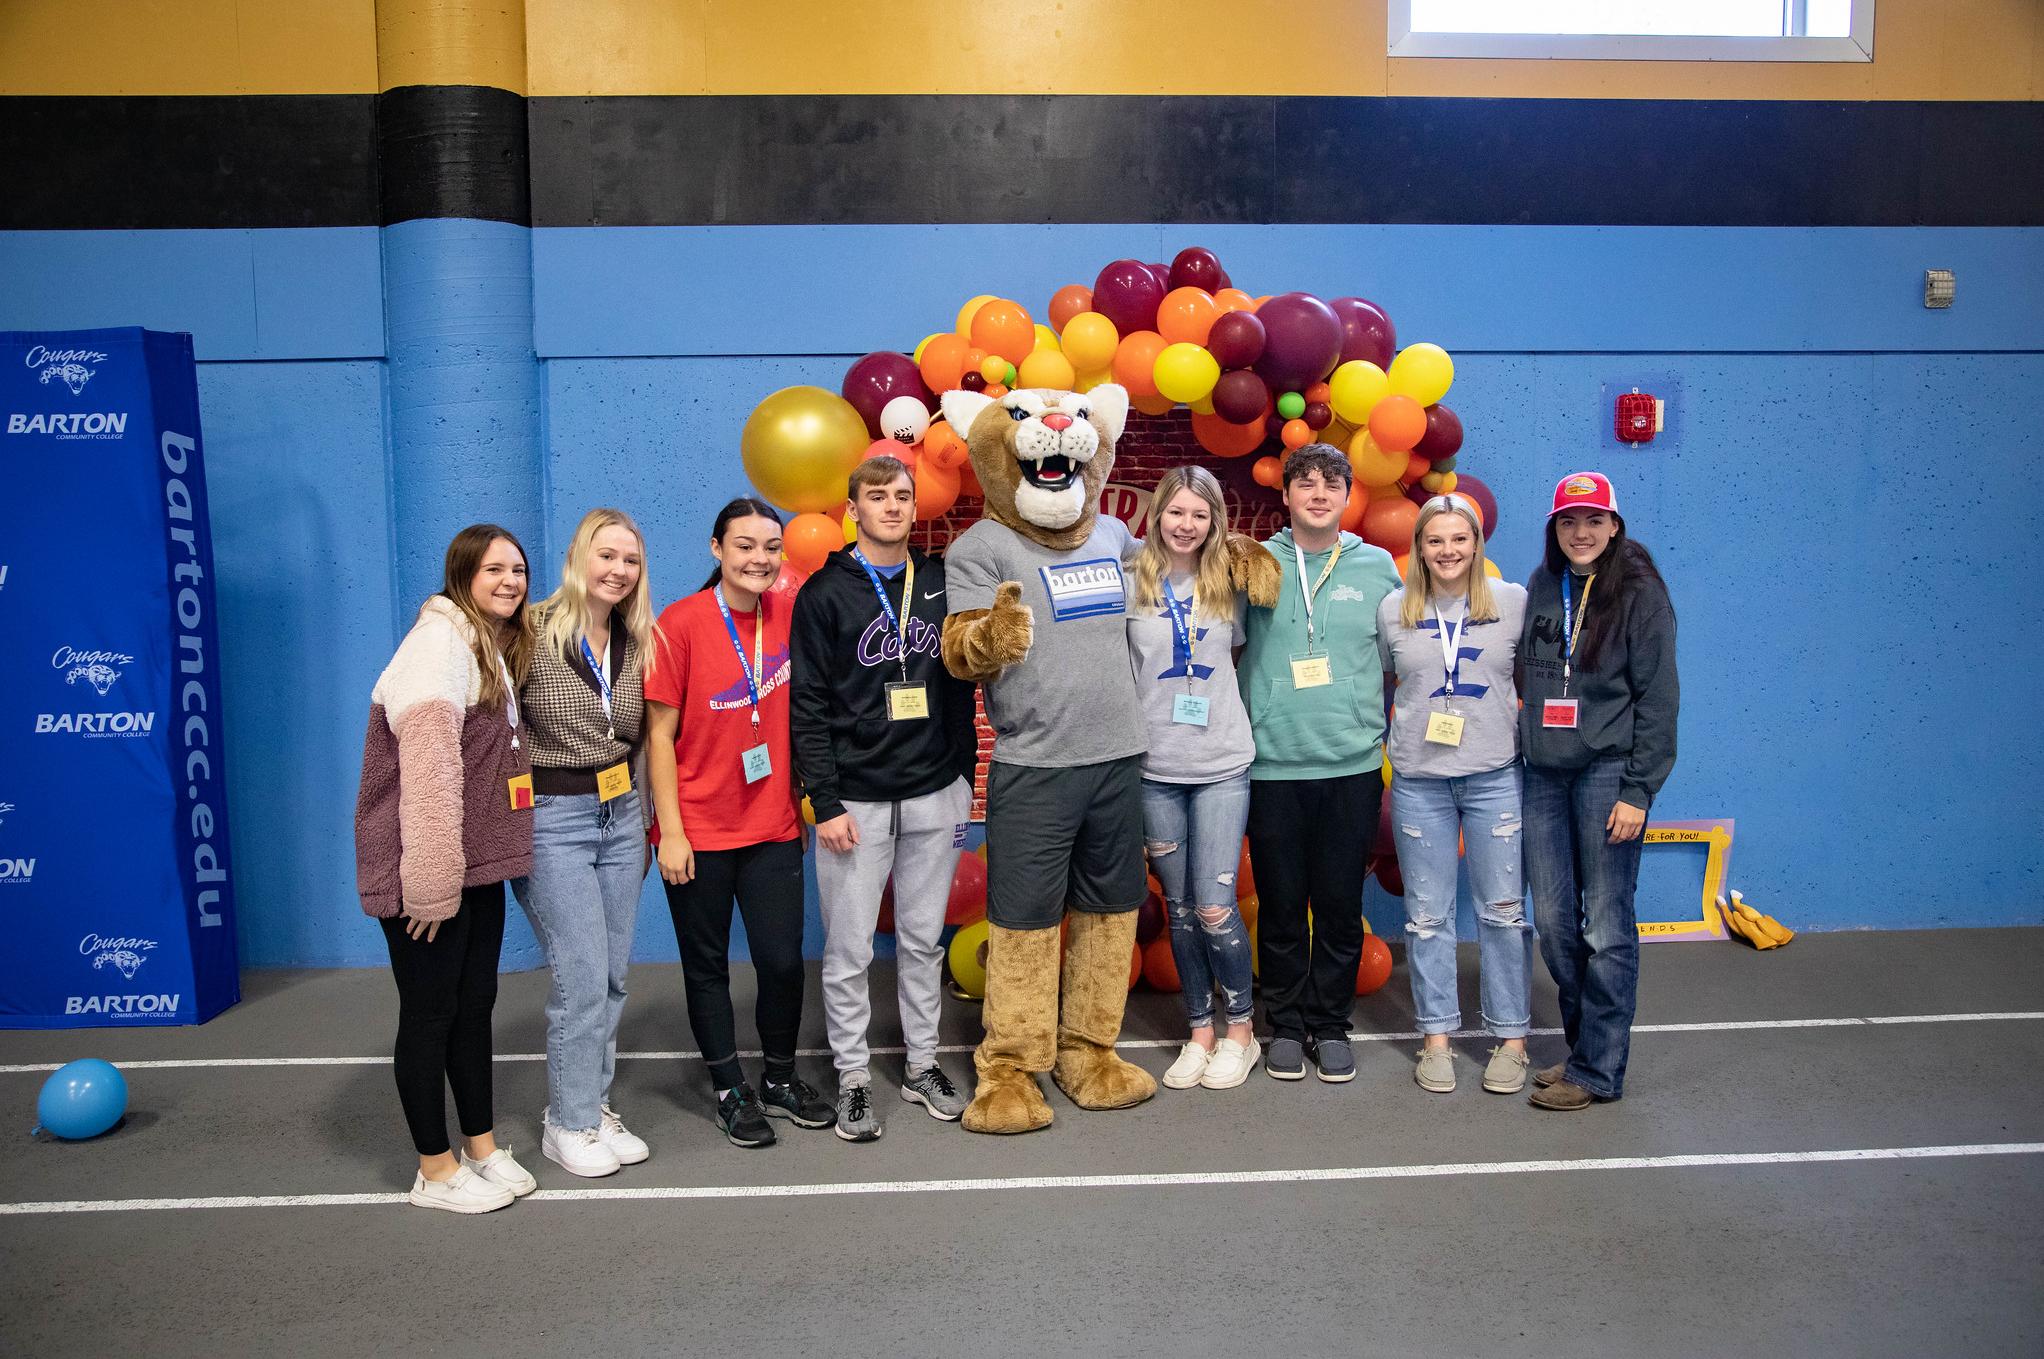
(626, 1145)
(501, 1169)
(1232, 1062)
(579, 1151)
(1186, 1071)
(464, 1192)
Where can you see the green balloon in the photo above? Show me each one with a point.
(1291, 405)
(1445, 465)
(1012, 375)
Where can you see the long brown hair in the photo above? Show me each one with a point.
(510, 638)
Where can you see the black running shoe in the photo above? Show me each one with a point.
(797, 1101)
(744, 1122)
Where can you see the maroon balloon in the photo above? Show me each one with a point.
(1226, 282)
(1240, 396)
(1150, 919)
(1366, 332)
(975, 381)
(1485, 501)
(1237, 339)
(1127, 293)
(875, 380)
(1443, 437)
(1386, 867)
(1197, 267)
(1302, 341)
(1318, 416)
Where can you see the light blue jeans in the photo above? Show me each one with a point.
(1192, 833)
(1428, 817)
(588, 859)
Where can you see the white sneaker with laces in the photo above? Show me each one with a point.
(579, 1151)
(500, 1169)
(1190, 1066)
(464, 1192)
(1232, 1062)
(626, 1145)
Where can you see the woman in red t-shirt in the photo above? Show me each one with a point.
(724, 796)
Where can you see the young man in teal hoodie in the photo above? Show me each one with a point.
(1314, 686)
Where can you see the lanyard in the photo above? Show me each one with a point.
(1572, 622)
(1181, 632)
(510, 698)
(602, 685)
(908, 595)
(753, 668)
(1451, 643)
(1311, 590)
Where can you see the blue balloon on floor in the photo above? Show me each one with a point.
(82, 1099)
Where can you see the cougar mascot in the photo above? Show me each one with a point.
(1036, 593)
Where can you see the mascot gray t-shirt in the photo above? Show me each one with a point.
(1072, 700)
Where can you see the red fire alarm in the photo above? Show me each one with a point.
(1639, 417)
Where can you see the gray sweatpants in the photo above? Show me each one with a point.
(918, 846)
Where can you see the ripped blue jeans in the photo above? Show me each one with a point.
(1428, 817)
(1192, 833)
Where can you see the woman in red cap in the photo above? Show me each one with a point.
(1598, 734)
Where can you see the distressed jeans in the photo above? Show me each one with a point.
(1582, 902)
(1193, 835)
(1428, 817)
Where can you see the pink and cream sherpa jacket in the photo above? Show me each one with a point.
(434, 814)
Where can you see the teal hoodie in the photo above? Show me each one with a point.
(1334, 730)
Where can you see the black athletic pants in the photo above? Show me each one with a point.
(445, 992)
(1309, 841)
(767, 882)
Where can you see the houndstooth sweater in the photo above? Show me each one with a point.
(563, 710)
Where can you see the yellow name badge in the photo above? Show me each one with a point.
(1310, 672)
(615, 781)
(906, 702)
(521, 792)
(1444, 729)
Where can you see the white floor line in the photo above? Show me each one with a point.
(1713, 1160)
(1131, 1044)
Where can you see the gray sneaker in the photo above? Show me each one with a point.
(1286, 1060)
(1436, 1070)
(932, 1089)
(1336, 1062)
(856, 1121)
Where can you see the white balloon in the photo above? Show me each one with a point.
(905, 419)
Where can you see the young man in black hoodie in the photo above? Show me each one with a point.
(884, 744)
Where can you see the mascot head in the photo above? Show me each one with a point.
(1042, 455)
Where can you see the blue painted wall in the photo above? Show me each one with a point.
(1845, 476)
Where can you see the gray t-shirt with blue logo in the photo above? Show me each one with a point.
(1485, 697)
(1182, 751)
(1072, 700)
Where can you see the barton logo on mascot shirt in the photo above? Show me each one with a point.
(97, 672)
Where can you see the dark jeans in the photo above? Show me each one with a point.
(1309, 841)
(1582, 888)
(767, 882)
(445, 992)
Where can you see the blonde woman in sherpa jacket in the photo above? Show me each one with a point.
(443, 819)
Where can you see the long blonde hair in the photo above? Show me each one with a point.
(1419, 582)
(1213, 593)
(567, 608)
(493, 637)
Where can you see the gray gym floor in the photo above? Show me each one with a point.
(1300, 1219)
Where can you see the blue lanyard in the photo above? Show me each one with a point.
(1181, 632)
(751, 667)
(908, 591)
(1571, 624)
(602, 686)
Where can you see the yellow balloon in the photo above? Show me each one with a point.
(799, 448)
(1046, 368)
(1185, 372)
(1423, 372)
(969, 958)
(923, 344)
(851, 529)
(1387, 771)
(1355, 389)
(1339, 432)
(969, 310)
(1372, 465)
(1086, 382)
(1090, 341)
(1490, 568)
(808, 810)
(1046, 338)
(1203, 406)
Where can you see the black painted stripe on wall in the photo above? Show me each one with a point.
(312, 160)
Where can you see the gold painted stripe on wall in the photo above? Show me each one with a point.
(172, 47)
(451, 42)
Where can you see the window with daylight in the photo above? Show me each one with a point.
(1635, 30)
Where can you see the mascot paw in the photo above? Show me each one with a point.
(1007, 1101)
(1253, 570)
(980, 643)
(1095, 1078)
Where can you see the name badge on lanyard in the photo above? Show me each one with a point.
(1187, 709)
(757, 762)
(1445, 728)
(1311, 670)
(1563, 713)
(907, 701)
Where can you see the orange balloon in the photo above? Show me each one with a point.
(809, 539)
(1068, 302)
(1160, 965)
(1267, 471)
(1296, 434)
(1397, 423)
(1415, 467)
(1389, 523)
(1233, 299)
(1049, 369)
(1186, 315)
(968, 480)
(943, 361)
(942, 446)
(1375, 969)
(1225, 439)
(1374, 466)
(1352, 513)
(1245, 878)
(1257, 303)
(1135, 361)
(1392, 492)
(1002, 327)
(1319, 391)
(1152, 405)
(997, 390)
(936, 489)
(974, 356)
(1401, 561)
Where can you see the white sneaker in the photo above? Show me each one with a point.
(1186, 1071)
(500, 1169)
(579, 1151)
(465, 1192)
(1231, 1064)
(626, 1145)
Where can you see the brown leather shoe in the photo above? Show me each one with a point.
(1562, 1096)
(1548, 1075)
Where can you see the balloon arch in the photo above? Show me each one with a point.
(1282, 370)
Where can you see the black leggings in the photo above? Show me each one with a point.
(767, 881)
(445, 992)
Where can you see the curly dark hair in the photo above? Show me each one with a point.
(1330, 462)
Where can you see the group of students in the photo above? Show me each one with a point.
(564, 747)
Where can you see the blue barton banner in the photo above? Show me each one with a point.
(115, 893)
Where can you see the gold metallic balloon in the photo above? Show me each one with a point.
(800, 446)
